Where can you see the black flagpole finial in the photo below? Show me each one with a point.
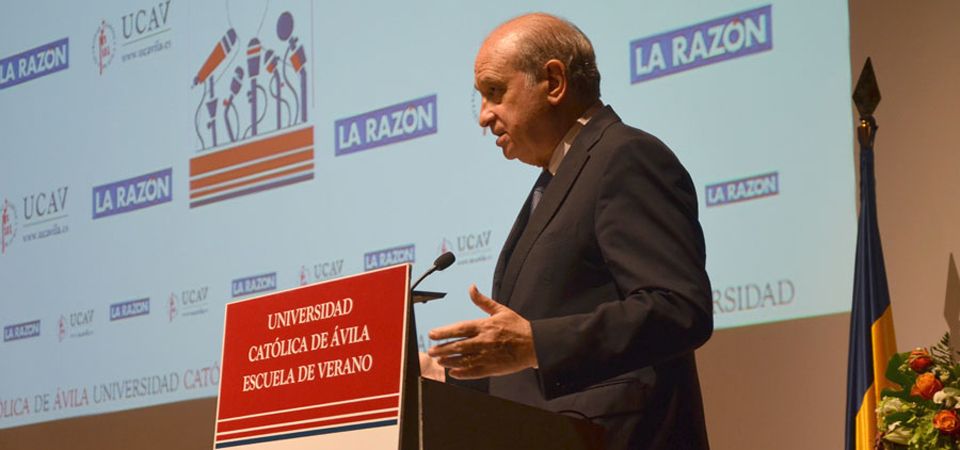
(867, 96)
(867, 93)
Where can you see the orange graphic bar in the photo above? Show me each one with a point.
(235, 174)
(252, 151)
(271, 176)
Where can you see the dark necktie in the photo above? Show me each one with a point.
(538, 189)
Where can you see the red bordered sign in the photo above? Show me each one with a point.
(320, 364)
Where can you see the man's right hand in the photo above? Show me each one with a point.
(431, 369)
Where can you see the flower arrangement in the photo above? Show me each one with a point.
(922, 414)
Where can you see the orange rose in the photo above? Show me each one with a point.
(947, 422)
(927, 384)
(920, 360)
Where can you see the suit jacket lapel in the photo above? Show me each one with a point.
(511, 262)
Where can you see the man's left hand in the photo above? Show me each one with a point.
(497, 345)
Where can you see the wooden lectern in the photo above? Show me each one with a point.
(439, 416)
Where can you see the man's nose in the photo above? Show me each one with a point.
(486, 116)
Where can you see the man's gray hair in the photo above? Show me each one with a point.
(555, 38)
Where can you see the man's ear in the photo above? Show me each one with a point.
(556, 81)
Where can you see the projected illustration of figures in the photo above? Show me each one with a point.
(252, 100)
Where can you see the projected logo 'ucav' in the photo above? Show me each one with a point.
(143, 36)
(76, 324)
(8, 225)
(470, 248)
(321, 271)
(187, 303)
(104, 46)
(251, 123)
(42, 214)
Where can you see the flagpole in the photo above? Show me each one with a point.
(872, 338)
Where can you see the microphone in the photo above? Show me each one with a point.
(271, 61)
(228, 103)
(442, 262)
(235, 84)
(253, 57)
(216, 57)
(445, 260)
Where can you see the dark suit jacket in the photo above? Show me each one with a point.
(609, 269)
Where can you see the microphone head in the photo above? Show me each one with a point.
(445, 260)
(253, 57)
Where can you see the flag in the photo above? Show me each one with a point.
(872, 340)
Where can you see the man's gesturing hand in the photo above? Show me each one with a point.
(497, 345)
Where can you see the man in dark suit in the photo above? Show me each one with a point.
(600, 296)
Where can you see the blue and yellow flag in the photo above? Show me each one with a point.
(872, 340)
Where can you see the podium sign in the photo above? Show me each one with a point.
(318, 366)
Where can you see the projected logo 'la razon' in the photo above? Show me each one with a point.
(252, 134)
(35, 63)
(132, 194)
(749, 188)
(709, 42)
(21, 331)
(386, 126)
(253, 284)
(128, 309)
(389, 257)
